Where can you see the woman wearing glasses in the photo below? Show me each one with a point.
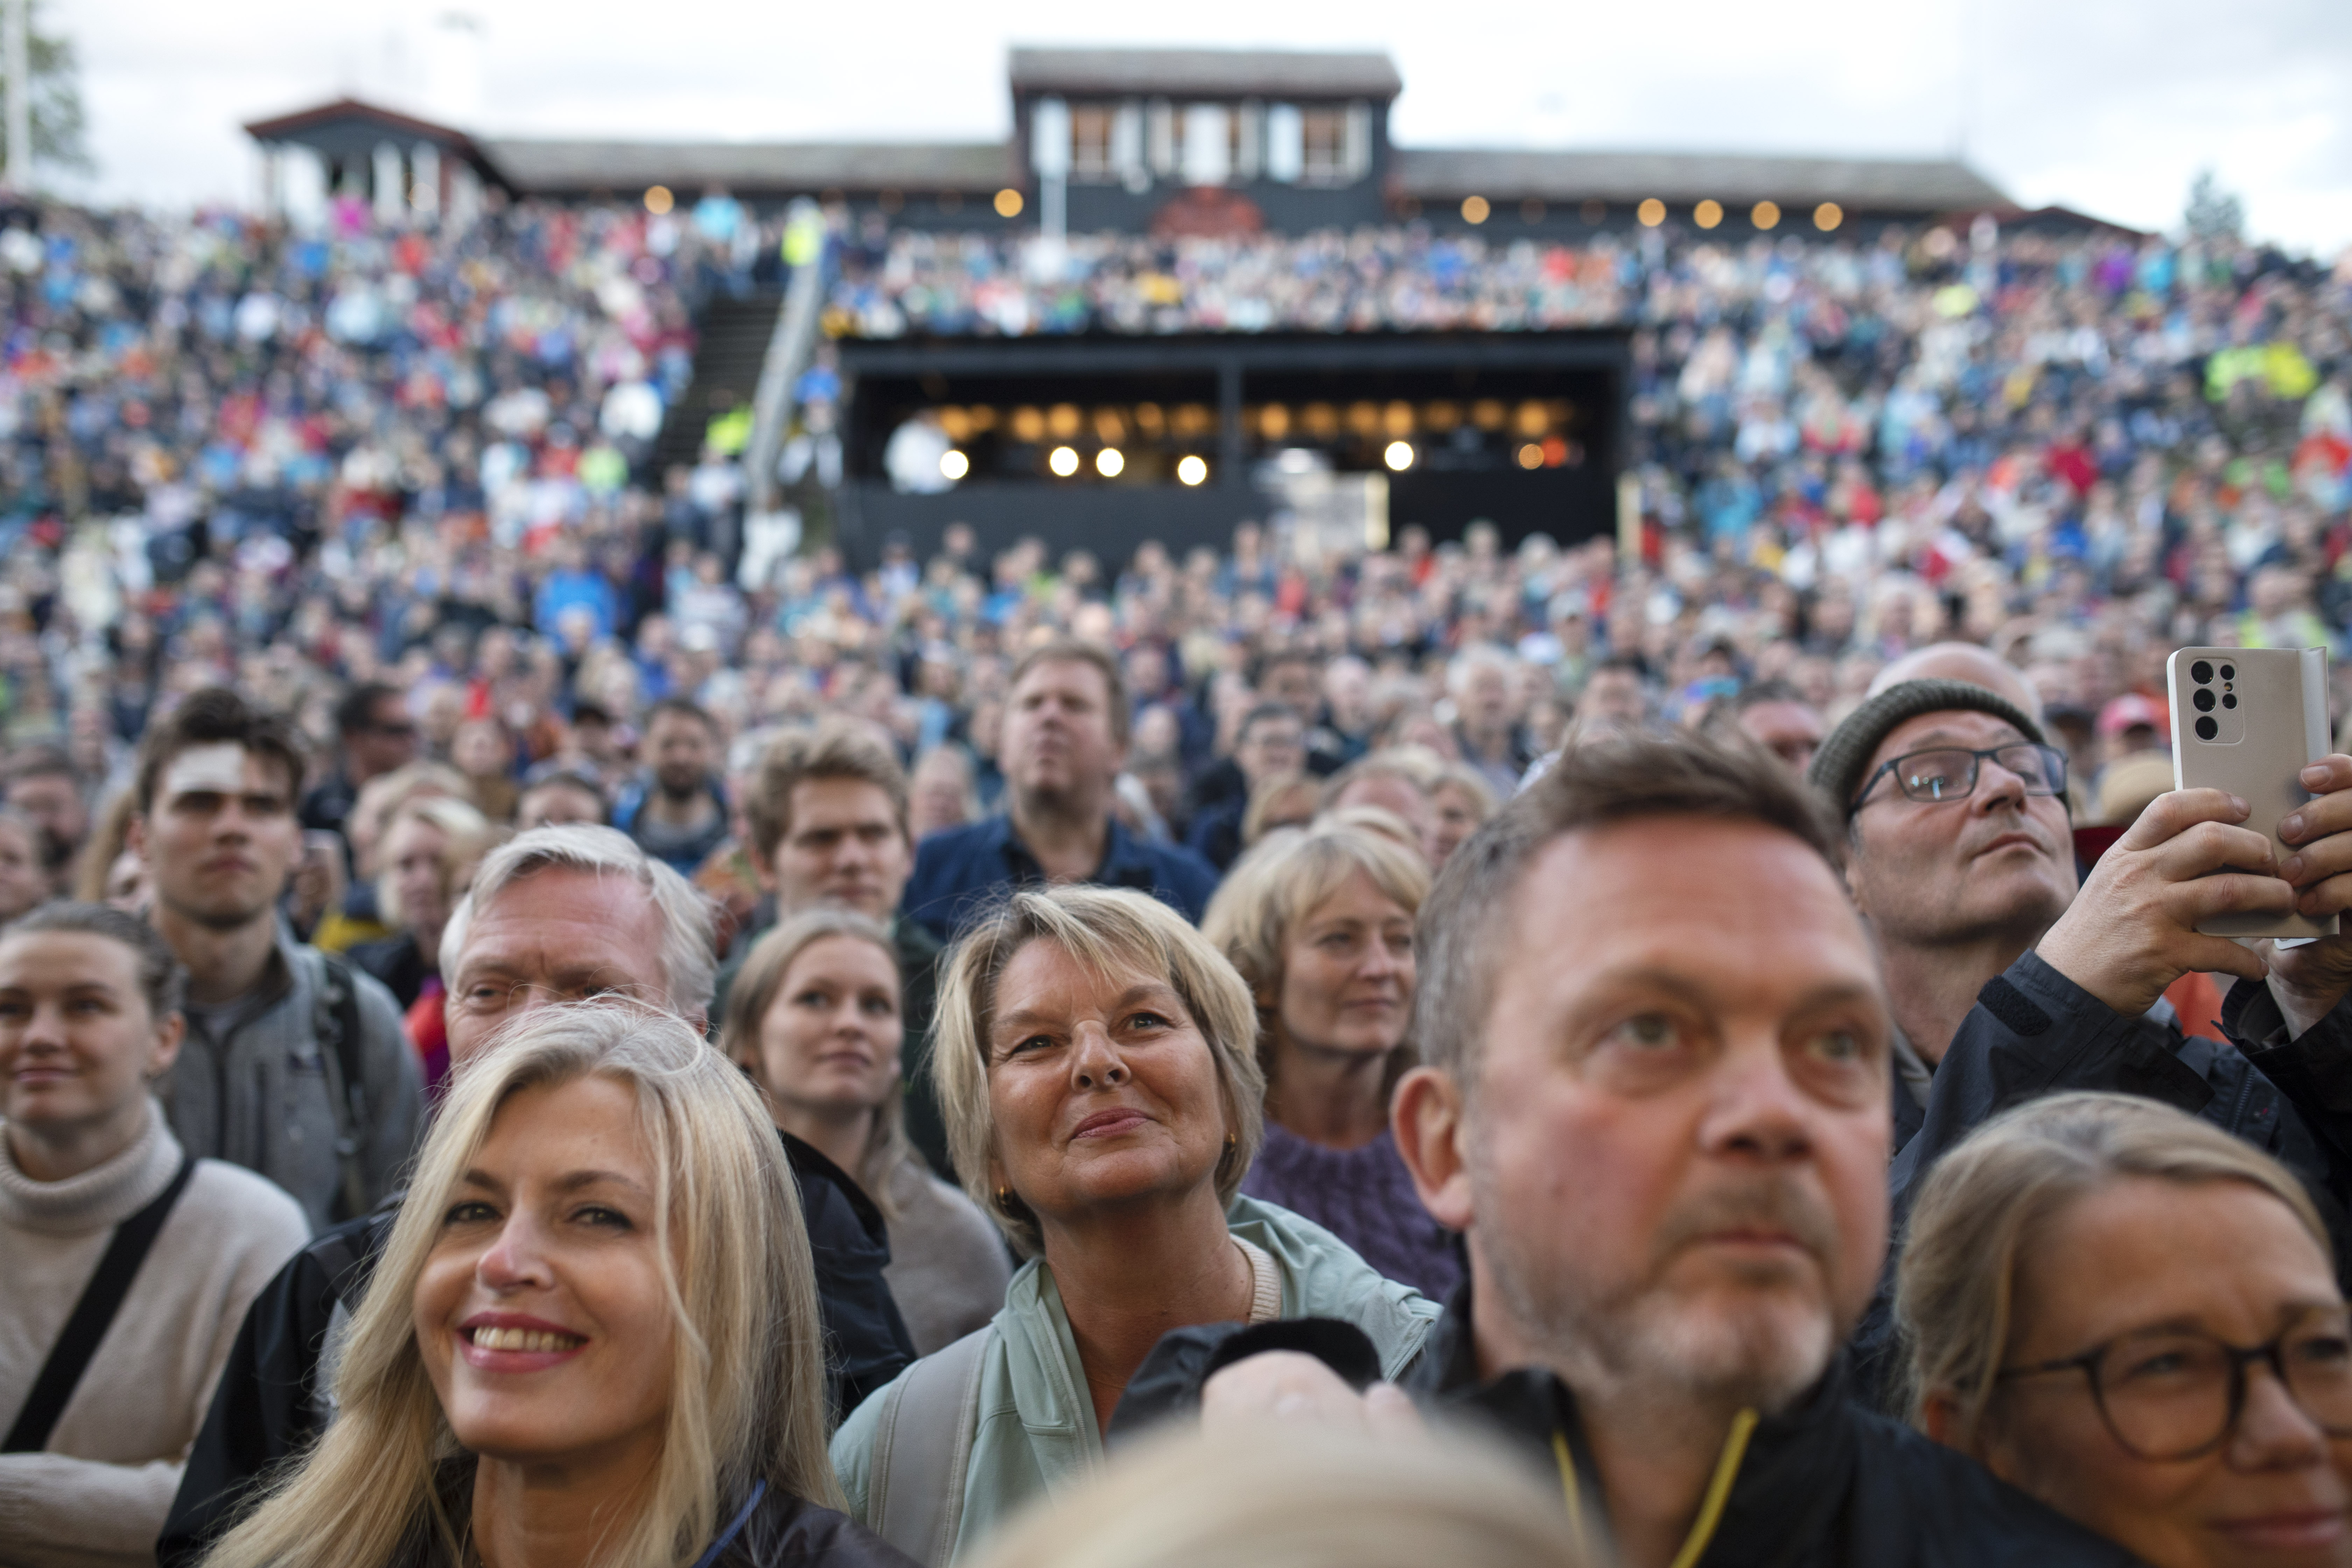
(2134, 1316)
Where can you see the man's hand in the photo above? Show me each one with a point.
(2310, 980)
(1290, 1386)
(2132, 930)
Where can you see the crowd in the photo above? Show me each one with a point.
(521, 1039)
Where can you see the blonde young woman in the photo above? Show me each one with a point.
(592, 1336)
(1096, 1063)
(813, 1017)
(1319, 924)
(2134, 1317)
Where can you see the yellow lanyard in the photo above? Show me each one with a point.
(1710, 1508)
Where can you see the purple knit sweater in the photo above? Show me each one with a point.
(1365, 1197)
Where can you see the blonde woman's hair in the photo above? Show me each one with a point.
(1107, 930)
(1270, 792)
(1991, 1200)
(1470, 781)
(754, 992)
(388, 1481)
(1292, 1496)
(1279, 885)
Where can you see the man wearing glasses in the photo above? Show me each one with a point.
(2008, 981)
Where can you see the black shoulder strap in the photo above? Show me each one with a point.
(338, 1027)
(102, 1299)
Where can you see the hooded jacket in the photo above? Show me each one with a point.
(1035, 1430)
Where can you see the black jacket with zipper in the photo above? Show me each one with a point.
(1825, 1484)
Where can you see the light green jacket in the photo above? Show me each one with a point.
(1037, 1424)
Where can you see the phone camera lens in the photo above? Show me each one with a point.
(2203, 699)
(2229, 672)
(2229, 702)
(2207, 728)
(2200, 672)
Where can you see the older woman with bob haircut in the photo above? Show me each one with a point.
(2134, 1317)
(1096, 1059)
(814, 1018)
(1319, 924)
(593, 1335)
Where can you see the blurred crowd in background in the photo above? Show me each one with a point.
(302, 463)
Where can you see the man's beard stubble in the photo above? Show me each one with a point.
(1761, 1349)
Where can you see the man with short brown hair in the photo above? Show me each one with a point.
(1066, 730)
(827, 814)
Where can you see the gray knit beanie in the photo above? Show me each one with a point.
(1838, 766)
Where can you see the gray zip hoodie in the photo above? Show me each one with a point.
(251, 1087)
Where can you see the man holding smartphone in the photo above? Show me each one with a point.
(2010, 981)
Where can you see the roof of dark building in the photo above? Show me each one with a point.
(1865, 185)
(1206, 73)
(546, 165)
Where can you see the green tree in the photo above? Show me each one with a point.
(2213, 213)
(58, 122)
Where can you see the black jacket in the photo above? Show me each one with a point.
(2033, 1032)
(269, 1403)
(1824, 1485)
(786, 1531)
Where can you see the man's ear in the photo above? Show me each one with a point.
(134, 837)
(1426, 1116)
(763, 867)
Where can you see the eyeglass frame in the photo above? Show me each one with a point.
(2240, 1356)
(1976, 772)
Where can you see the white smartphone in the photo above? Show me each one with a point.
(2249, 720)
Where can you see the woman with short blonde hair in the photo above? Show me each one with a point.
(2134, 1316)
(1095, 1059)
(1319, 925)
(813, 1017)
(614, 1186)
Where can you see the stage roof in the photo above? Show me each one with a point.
(1864, 184)
(562, 167)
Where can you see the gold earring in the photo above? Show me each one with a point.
(1004, 1199)
(1232, 1141)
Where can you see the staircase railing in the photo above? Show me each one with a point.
(789, 348)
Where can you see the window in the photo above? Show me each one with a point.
(1092, 158)
(1323, 132)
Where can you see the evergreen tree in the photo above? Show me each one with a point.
(2213, 213)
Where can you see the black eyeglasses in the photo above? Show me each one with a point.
(2175, 1394)
(1949, 772)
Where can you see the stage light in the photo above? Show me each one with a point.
(1707, 214)
(1008, 202)
(1651, 213)
(1063, 460)
(1531, 456)
(954, 464)
(1474, 209)
(1109, 463)
(1767, 215)
(1828, 215)
(1399, 456)
(658, 200)
(1191, 469)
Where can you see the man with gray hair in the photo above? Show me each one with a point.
(556, 916)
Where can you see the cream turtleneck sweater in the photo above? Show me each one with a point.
(100, 1492)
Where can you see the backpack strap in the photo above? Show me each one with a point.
(335, 1021)
(914, 1499)
(93, 1314)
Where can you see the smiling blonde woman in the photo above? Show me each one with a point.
(592, 1336)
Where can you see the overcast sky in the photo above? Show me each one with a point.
(2110, 106)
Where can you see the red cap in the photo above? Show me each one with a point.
(2132, 709)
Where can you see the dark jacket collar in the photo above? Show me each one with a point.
(1125, 862)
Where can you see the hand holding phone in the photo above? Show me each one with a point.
(2249, 721)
